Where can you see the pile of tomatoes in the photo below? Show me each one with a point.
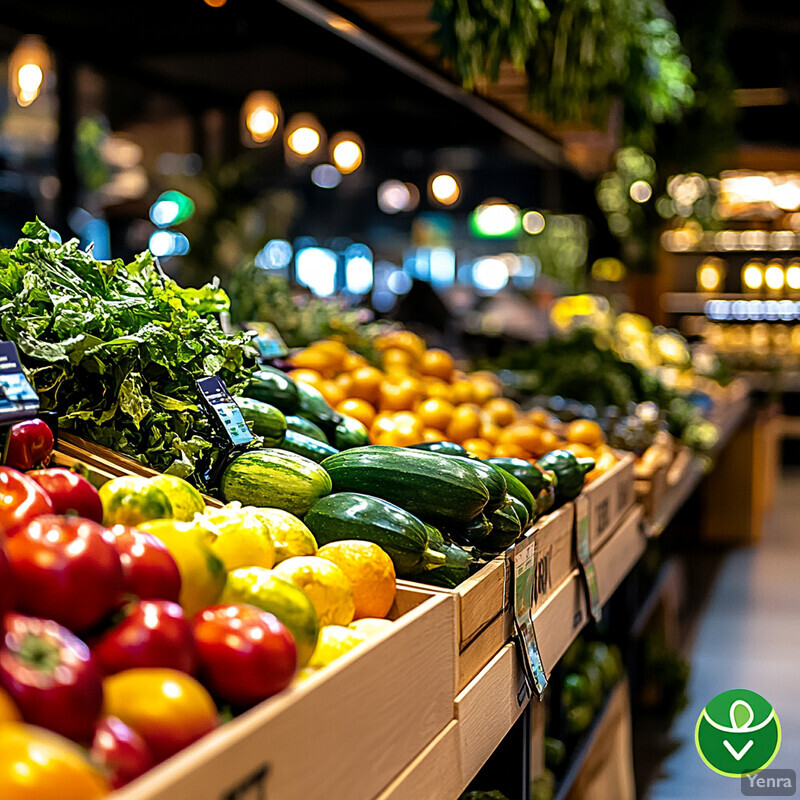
(102, 675)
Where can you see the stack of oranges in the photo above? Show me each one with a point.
(418, 395)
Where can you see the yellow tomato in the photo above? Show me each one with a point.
(357, 408)
(501, 411)
(509, 450)
(432, 435)
(354, 361)
(366, 384)
(478, 447)
(437, 364)
(332, 392)
(400, 394)
(462, 391)
(435, 413)
(465, 423)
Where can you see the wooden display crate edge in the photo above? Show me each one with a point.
(608, 499)
(619, 554)
(240, 746)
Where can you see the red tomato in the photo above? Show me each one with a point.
(246, 654)
(149, 571)
(154, 633)
(66, 569)
(38, 765)
(120, 751)
(21, 499)
(167, 708)
(69, 492)
(6, 585)
(28, 444)
(51, 675)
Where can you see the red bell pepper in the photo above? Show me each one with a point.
(28, 444)
(21, 500)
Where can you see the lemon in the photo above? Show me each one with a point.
(371, 626)
(202, 572)
(132, 499)
(370, 572)
(325, 584)
(334, 642)
(185, 500)
(289, 534)
(242, 539)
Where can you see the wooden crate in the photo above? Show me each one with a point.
(555, 556)
(607, 499)
(345, 732)
(650, 489)
(617, 557)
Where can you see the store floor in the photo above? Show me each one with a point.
(748, 637)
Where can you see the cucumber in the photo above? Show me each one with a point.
(434, 487)
(539, 482)
(516, 489)
(348, 515)
(275, 479)
(492, 478)
(444, 448)
(472, 533)
(454, 571)
(350, 433)
(263, 419)
(506, 529)
(314, 407)
(521, 511)
(306, 427)
(270, 385)
(304, 445)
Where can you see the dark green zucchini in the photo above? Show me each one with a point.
(516, 488)
(263, 419)
(350, 433)
(306, 427)
(347, 515)
(539, 482)
(270, 385)
(304, 445)
(506, 529)
(472, 533)
(492, 478)
(455, 570)
(522, 512)
(443, 448)
(434, 534)
(437, 488)
(570, 472)
(314, 407)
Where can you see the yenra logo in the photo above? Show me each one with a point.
(738, 733)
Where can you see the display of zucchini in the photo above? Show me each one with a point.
(443, 448)
(306, 427)
(275, 479)
(492, 478)
(270, 385)
(522, 512)
(539, 482)
(434, 534)
(263, 419)
(437, 488)
(314, 407)
(569, 470)
(350, 433)
(455, 570)
(506, 529)
(472, 533)
(349, 515)
(304, 445)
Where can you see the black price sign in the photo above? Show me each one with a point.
(223, 411)
(18, 400)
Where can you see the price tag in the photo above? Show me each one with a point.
(18, 400)
(223, 411)
(267, 341)
(521, 564)
(584, 552)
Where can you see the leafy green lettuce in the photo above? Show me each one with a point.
(115, 348)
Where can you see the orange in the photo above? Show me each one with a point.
(501, 411)
(358, 409)
(394, 358)
(432, 435)
(401, 436)
(584, 431)
(370, 572)
(509, 450)
(401, 340)
(581, 450)
(437, 363)
(366, 384)
(527, 436)
(549, 442)
(462, 391)
(332, 392)
(439, 389)
(484, 390)
(400, 394)
(316, 359)
(335, 350)
(345, 383)
(489, 431)
(383, 422)
(540, 417)
(309, 376)
(353, 361)
(465, 423)
(478, 447)
(435, 412)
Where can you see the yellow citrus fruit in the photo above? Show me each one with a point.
(325, 584)
(185, 500)
(334, 642)
(242, 539)
(437, 364)
(131, 499)
(370, 572)
(290, 535)
(202, 571)
(584, 431)
(371, 626)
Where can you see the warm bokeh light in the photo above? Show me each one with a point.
(304, 141)
(215, 3)
(773, 275)
(28, 66)
(304, 137)
(753, 275)
(793, 275)
(710, 275)
(444, 188)
(640, 191)
(261, 118)
(533, 222)
(347, 152)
